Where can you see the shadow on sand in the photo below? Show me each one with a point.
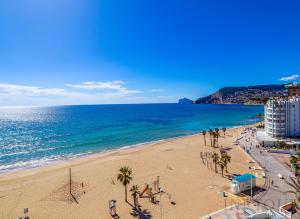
(115, 216)
(230, 175)
(140, 213)
(227, 148)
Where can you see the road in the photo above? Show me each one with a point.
(275, 189)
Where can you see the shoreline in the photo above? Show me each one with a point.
(185, 178)
(78, 157)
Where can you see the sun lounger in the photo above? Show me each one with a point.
(112, 207)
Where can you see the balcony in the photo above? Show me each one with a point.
(279, 114)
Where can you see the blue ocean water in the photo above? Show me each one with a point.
(32, 137)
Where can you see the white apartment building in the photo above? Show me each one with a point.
(282, 117)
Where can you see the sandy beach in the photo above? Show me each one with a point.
(193, 187)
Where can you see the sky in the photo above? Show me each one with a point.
(59, 52)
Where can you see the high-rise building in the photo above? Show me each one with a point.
(282, 117)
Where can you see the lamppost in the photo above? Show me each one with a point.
(224, 197)
(251, 182)
(251, 186)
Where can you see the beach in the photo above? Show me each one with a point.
(193, 188)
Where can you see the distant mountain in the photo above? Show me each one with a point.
(185, 101)
(247, 95)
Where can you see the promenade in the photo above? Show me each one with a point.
(274, 192)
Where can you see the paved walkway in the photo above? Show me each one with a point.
(242, 212)
(275, 194)
(234, 212)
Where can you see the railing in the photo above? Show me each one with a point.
(278, 116)
(275, 127)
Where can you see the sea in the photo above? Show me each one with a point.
(37, 136)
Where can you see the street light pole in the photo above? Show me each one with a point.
(251, 186)
(251, 181)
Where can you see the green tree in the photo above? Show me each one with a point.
(135, 194)
(210, 131)
(125, 178)
(295, 162)
(295, 184)
(215, 158)
(204, 136)
(224, 131)
(221, 164)
(217, 135)
(226, 158)
(214, 135)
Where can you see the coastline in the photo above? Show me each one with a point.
(176, 161)
(88, 155)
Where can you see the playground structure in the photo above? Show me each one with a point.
(153, 189)
(70, 191)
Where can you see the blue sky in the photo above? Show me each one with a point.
(132, 51)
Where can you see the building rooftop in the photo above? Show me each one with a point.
(263, 136)
(243, 178)
(293, 85)
(242, 211)
(284, 99)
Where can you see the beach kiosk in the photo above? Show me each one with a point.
(243, 183)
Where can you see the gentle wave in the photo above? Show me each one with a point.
(32, 137)
(55, 159)
(39, 162)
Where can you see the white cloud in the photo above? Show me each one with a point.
(24, 90)
(157, 90)
(289, 78)
(110, 88)
(162, 97)
(92, 85)
(111, 92)
(33, 91)
(24, 95)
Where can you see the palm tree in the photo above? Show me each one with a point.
(224, 131)
(214, 136)
(226, 158)
(217, 135)
(204, 134)
(295, 158)
(295, 184)
(221, 163)
(215, 158)
(125, 177)
(135, 194)
(210, 131)
(295, 162)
